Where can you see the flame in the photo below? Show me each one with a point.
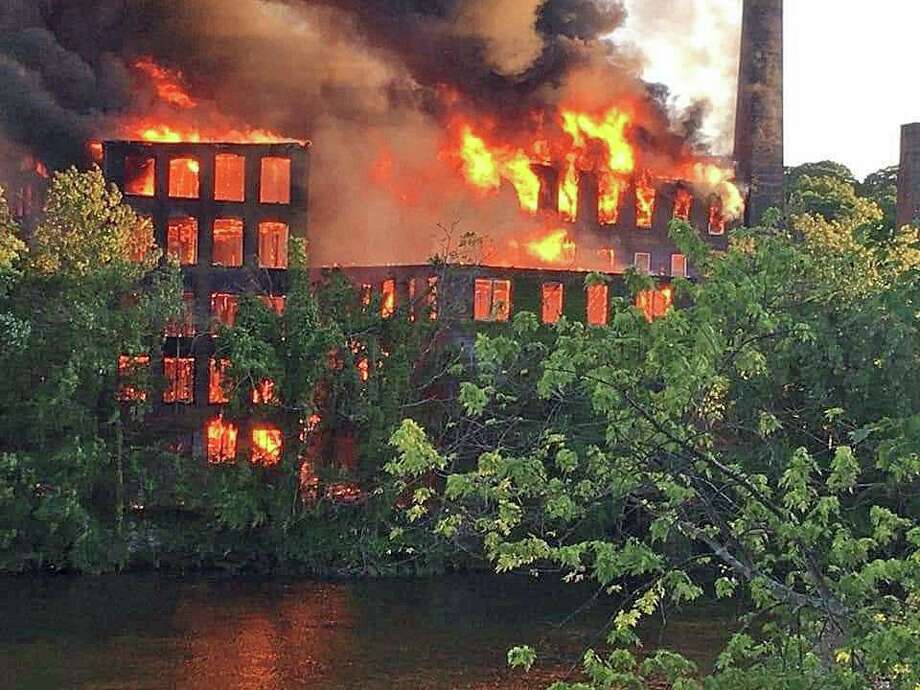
(568, 190)
(683, 204)
(609, 130)
(645, 200)
(609, 189)
(485, 166)
(168, 83)
(554, 248)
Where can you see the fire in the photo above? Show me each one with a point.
(683, 204)
(554, 248)
(645, 200)
(609, 131)
(168, 84)
(486, 166)
(568, 190)
(609, 190)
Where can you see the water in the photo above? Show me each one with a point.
(138, 632)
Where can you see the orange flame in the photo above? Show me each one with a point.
(168, 83)
(609, 189)
(554, 248)
(645, 200)
(486, 166)
(683, 204)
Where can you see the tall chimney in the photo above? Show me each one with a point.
(759, 116)
(909, 175)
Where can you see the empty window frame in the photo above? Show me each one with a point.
(140, 175)
(224, 307)
(229, 177)
(275, 183)
(388, 298)
(678, 266)
(182, 240)
(492, 300)
(185, 326)
(643, 262)
(273, 245)
(183, 178)
(217, 381)
(130, 369)
(552, 299)
(597, 304)
(227, 249)
(179, 374)
(221, 439)
(267, 443)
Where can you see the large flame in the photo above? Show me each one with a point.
(553, 249)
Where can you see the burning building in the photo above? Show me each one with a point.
(517, 120)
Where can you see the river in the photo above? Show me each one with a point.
(148, 631)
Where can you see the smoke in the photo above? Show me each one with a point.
(374, 85)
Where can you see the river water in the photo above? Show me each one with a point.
(140, 632)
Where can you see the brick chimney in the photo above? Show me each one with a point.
(759, 118)
(909, 175)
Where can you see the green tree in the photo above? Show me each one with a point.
(761, 442)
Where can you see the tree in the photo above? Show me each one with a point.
(82, 300)
(761, 442)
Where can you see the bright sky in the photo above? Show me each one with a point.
(852, 74)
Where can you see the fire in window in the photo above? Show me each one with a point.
(274, 302)
(367, 294)
(683, 204)
(229, 177)
(655, 303)
(267, 443)
(182, 240)
(221, 437)
(645, 201)
(129, 368)
(432, 298)
(263, 393)
(224, 307)
(716, 217)
(179, 373)
(388, 298)
(276, 181)
(643, 262)
(142, 240)
(598, 310)
(186, 327)
(228, 242)
(492, 300)
(183, 178)
(273, 245)
(217, 391)
(140, 175)
(552, 302)
(608, 192)
(678, 265)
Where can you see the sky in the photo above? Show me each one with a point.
(852, 71)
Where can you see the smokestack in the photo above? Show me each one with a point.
(909, 175)
(759, 118)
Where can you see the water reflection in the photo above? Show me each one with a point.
(147, 632)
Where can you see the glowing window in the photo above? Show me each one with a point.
(140, 175)
(678, 265)
(643, 262)
(273, 245)
(367, 293)
(552, 300)
(683, 204)
(274, 302)
(263, 393)
(388, 298)
(182, 240)
(142, 239)
(129, 367)
(432, 298)
(221, 437)
(608, 192)
(186, 327)
(224, 307)
(598, 310)
(655, 303)
(276, 181)
(267, 443)
(183, 178)
(217, 392)
(716, 217)
(492, 300)
(228, 242)
(179, 373)
(645, 201)
(229, 177)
